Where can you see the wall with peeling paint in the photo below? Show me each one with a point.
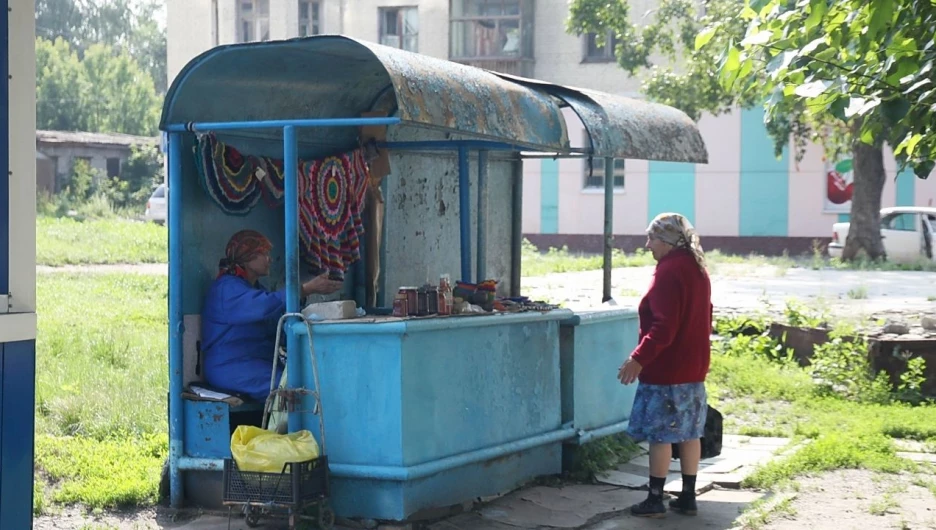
(422, 214)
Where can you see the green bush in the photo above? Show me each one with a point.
(841, 367)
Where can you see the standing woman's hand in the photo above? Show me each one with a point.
(629, 371)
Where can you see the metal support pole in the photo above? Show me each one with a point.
(276, 124)
(176, 493)
(608, 226)
(360, 276)
(464, 213)
(382, 278)
(516, 228)
(482, 215)
(295, 366)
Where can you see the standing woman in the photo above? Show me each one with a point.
(671, 361)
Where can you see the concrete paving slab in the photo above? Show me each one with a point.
(675, 486)
(620, 478)
(725, 466)
(718, 509)
(565, 507)
(724, 480)
(470, 521)
(768, 440)
(911, 446)
(735, 440)
(644, 461)
(918, 457)
(216, 522)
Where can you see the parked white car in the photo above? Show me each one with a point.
(156, 205)
(907, 233)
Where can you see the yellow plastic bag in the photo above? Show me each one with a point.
(256, 449)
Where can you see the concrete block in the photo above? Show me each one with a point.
(337, 310)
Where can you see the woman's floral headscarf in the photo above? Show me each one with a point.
(242, 247)
(676, 230)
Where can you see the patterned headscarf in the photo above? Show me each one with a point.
(242, 247)
(676, 230)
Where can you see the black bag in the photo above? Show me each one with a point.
(711, 435)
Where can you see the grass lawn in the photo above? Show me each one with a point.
(65, 241)
(101, 378)
(101, 382)
(759, 396)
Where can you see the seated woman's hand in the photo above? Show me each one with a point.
(321, 284)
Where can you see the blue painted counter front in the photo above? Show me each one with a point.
(427, 413)
(594, 345)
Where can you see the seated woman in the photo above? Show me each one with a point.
(239, 317)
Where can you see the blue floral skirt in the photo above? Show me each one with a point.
(668, 413)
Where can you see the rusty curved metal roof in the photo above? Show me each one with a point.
(337, 77)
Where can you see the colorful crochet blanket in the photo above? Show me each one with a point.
(331, 197)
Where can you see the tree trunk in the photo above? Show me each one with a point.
(864, 231)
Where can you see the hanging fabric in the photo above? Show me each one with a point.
(331, 198)
(332, 193)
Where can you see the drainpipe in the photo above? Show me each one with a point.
(482, 215)
(215, 30)
(175, 318)
(464, 213)
(516, 228)
(608, 226)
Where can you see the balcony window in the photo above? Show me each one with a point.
(254, 17)
(491, 29)
(399, 27)
(594, 175)
(603, 53)
(309, 18)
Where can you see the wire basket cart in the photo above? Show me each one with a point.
(301, 490)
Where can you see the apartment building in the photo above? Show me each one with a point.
(745, 199)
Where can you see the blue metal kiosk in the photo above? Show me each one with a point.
(420, 413)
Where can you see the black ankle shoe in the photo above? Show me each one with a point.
(649, 508)
(684, 505)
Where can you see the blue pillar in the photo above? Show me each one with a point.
(4, 148)
(295, 365)
(17, 405)
(175, 318)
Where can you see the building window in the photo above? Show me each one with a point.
(399, 27)
(594, 173)
(254, 17)
(600, 54)
(113, 167)
(491, 28)
(310, 17)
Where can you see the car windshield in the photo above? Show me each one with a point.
(160, 192)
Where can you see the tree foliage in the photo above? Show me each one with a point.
(839, 67)
(661, 45)
(850, 74)
(107, 91)
(126, 25)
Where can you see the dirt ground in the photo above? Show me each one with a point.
(860, 500)
(840, 500)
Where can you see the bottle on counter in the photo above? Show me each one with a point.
(446, 301)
